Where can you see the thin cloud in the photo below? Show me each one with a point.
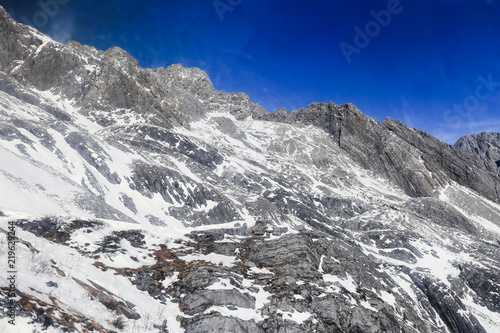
(450, 134)
(62, 30)
(239, 53)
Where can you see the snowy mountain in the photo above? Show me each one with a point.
(144, 200)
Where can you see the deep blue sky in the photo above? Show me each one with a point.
(435, 65)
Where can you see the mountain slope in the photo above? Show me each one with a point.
(145, 200)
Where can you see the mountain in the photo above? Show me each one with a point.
(144, 200)
(485, 145)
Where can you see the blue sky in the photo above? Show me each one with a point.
(434, 64)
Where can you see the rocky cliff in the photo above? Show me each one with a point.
(484, 145)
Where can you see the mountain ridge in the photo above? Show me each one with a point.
(169, 206)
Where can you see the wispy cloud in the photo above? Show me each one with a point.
(239, 53)
(485, 125)
(450, 134)
(62, 29)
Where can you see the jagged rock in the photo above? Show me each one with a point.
(484, 145)
(192, 80)
(485, 282)
(109, 301)
(440, 213)
(202, 278)
(15, 41)
(227, 126)
(449, 307)
(223, 324)
(128, 202)
(199, 301)
(301, 257)
(440, 158)
(279, 325)
(372, 145)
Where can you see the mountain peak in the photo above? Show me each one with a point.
(192, 80)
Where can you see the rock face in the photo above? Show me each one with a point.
(440, 157)
(484, 145)
(144, 200)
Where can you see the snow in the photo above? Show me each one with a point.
(211, 257)
(221, 284)
(347, 283)
(406, 286)
(296, 316)
(320, 267)
(257, 270)
(238, 312)
(20, 176)
(388, 298)
(368, 306)
(488, 319)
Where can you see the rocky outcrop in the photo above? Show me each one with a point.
(442, 214)
(414, 160)
(198, 302)
(109, 300)
(442, 159)
(484, 145)
(17, 41)
(223, 324)
(448, 306)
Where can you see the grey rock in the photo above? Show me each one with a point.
(15, 41)
(202, 278)
(227, 126)
(441, 158)
(51, 284)
(449, 307)
(484, 145)
(223, 324)
(294, 255)
(440, 213)
(128, 202)
(199, 301)
(485, 282)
